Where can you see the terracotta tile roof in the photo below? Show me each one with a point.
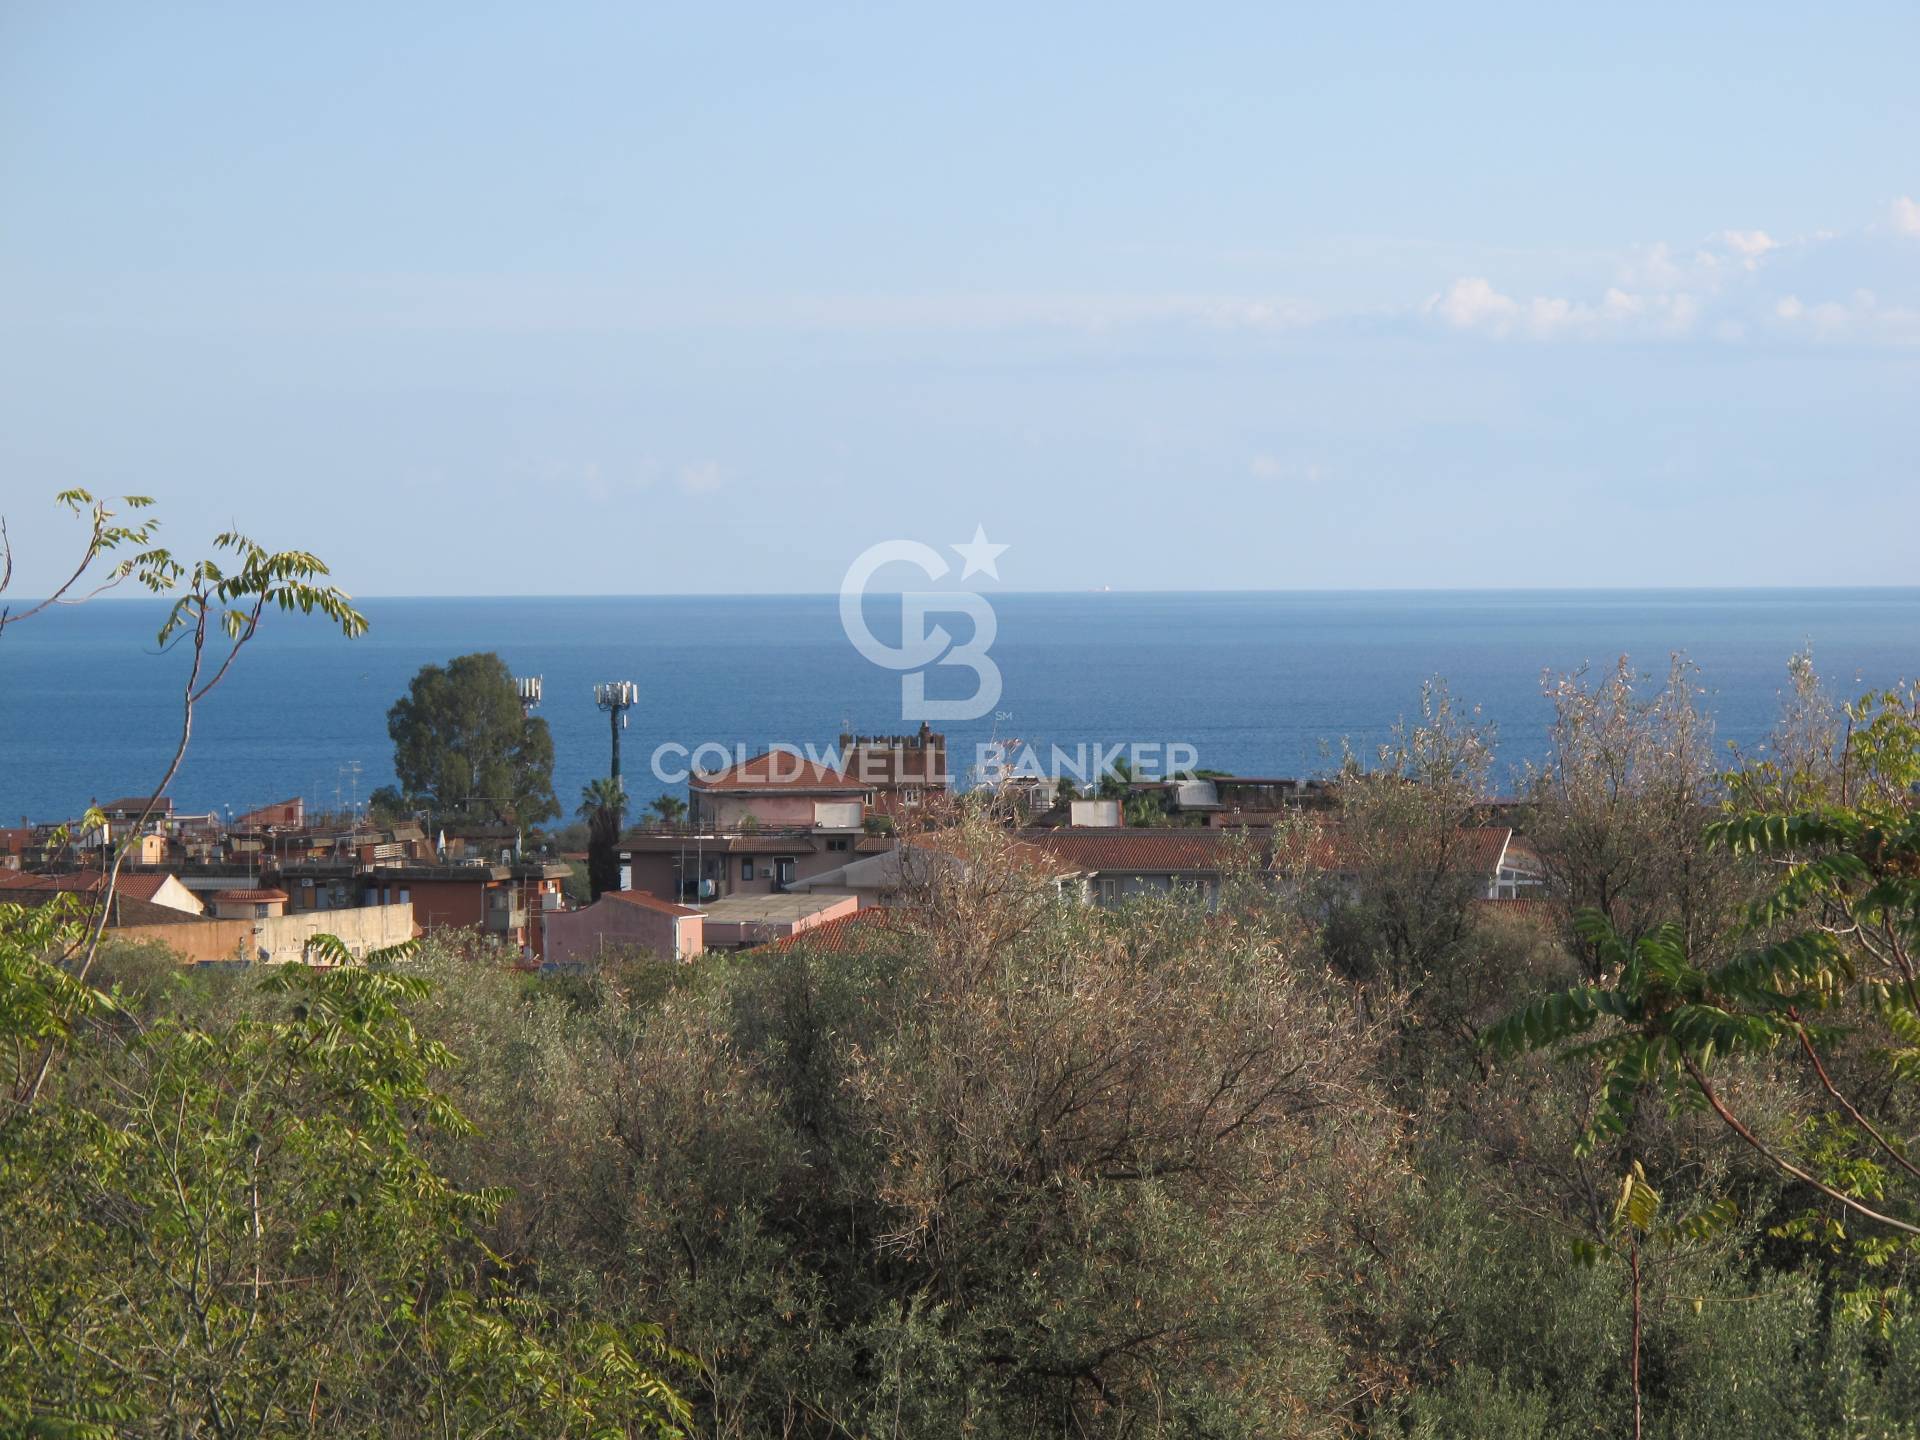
(1532, 908)
(1486, 844)
(777, 770)
(1142, 851)
(143, 885)
(249, 897)
(1023, 853)
(848, 932)
(648, 902)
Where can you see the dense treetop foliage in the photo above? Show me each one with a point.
(462, 745)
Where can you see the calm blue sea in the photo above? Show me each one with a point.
(1258, 683)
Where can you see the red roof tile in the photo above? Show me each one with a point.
(777, 770)
(1020, 853)
(1143, 851)
(141, 886)
(1486, 844)
(249, 897)
(841, 936)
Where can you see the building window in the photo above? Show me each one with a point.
(836, 844)
(746, 869)
(406, 895)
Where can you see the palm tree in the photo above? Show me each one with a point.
(601, 804)
(1116, 781)
(668, 809)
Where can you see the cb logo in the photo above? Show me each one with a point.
(921, 647)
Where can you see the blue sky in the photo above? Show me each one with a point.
(624, 298)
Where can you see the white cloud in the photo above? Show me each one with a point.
(1737, 285)
(1474, 306)
(1750, 245)
(1271, 467)
(701, 478)
(1862, 317)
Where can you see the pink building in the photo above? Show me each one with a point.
(776, 791)
(623, 919)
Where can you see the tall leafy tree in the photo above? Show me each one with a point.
(463, 745)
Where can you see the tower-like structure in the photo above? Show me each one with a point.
(529, 688)
(616, 697)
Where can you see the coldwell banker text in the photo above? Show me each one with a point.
(994, 763)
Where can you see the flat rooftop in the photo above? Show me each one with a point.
(768, 909)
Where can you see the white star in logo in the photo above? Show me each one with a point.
(981, 555)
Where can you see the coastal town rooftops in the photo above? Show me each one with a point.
(139, 886)
(778, 770)
(249, 897)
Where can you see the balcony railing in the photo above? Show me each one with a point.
(686, 829)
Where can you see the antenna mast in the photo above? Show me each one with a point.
(616, 697)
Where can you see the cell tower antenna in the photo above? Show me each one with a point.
(530, 689)
(616, 697)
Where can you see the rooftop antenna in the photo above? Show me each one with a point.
(616, 697)
(529, 687)
(352, 771)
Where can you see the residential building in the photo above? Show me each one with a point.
(623, 920)
(904, 873)
(778, 790)
(1126, 863)
(506, 902)
(281, 815)
(744, 921)
(250, 904)
(900, 773)
(751, 829)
